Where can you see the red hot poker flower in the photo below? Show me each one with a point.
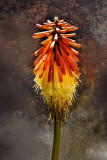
(56, 69)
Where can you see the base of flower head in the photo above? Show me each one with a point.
(58, 95)
(59, 114)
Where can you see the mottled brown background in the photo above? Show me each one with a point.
(25, 133)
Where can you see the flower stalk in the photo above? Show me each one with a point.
(56, 139)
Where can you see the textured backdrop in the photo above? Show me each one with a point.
(25, 132)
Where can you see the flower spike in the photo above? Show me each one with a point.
(56, 69)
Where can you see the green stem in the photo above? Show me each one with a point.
(56, 140)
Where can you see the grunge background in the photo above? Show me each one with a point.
(25, 133)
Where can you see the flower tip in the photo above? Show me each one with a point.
(48, 21)
(74, 34)
(80, 45)
(37, 25)
(56, 19)
(33, 37)
(36, 53)
(76, 28)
